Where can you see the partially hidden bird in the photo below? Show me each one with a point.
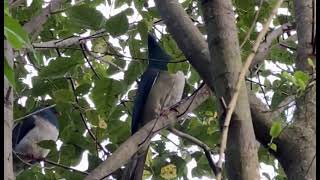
(42, 125)
(157, 91)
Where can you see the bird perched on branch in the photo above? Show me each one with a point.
(42, 125)
(157, 91)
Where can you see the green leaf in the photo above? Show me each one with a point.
(86, 17)
(119, 3)
(143, 28)
(63, 95)
(59, 67)
(6, 8)
(105, 93)
(30, 103)
(301, 79)
(47, 144)
(94, 161)
(273, 146)
(9, 73)
(83, 89)
(310, 62)
(132, 73)
(15, 34)
(275, 129)
(118, 24)
(153, 11)
(33, 173)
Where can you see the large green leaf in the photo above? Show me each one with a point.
(105, 94)
(14, 33)
(117, 24)
(6, 8)
(275, 129)
(86, 17)
(59, 67)
(301, 79)
(63, 95)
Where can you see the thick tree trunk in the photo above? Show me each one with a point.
(241, 153)
(8, 118)
(297, 144)
(191, 42)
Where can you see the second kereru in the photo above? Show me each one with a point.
(157, 91)
(40, 126)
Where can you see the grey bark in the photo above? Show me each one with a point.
(35, 25)
(8, 118)
(241, 152)
(297, 144)
(191, 42)
(193, 45)
(133, 144)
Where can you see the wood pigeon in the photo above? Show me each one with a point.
(43, 125)
(157, 91)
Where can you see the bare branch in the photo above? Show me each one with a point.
(13, 4)
(35, 25)
(105, 61)
(84, 48)
(64, 166)
(264, 47)
(252, 25)
(35, 112)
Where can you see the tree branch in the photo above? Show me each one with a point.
(252, 25)
(35, 25)
(264, 48)
(206, 148)
(85, 123)
(243, 72)
(131, 146)
(13, 4)
(64, 167)
(105, 61)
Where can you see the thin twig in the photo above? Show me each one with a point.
(123, 102)
(287, 46)
(206, 148)
(84, 121)
(20, 157)
(15, 4)
(255, 82)
(243, 72)
(103, 60)
(263, 92)
(64, 166)
(83, 46)
(252, 25)
(177, 145)
(310, 164)
(112, 54)
(35, 112)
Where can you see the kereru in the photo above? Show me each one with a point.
(40, 126)
(157, 91)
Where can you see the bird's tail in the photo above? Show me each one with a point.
(134, 169)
